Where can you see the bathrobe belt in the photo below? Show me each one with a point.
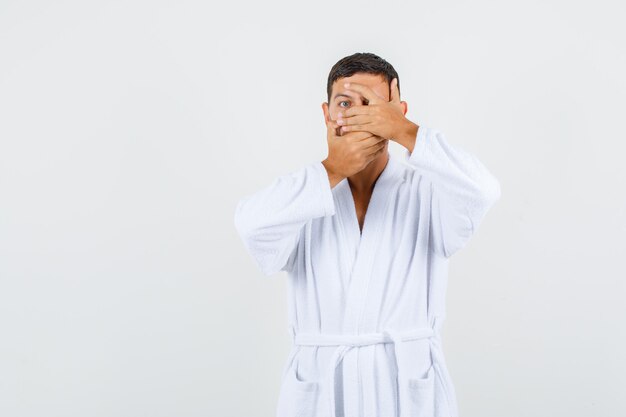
(346, 342)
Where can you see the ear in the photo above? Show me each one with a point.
(325, 110)
(405, 107)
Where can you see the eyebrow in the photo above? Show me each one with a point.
(341, 95)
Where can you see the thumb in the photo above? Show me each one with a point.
(331, 127)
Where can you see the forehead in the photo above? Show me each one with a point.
(376, 82)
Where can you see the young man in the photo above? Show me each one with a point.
(366, 239)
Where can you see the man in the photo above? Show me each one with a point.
(365, 239)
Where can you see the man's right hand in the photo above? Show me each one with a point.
(350, 152)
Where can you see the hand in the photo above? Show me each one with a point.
(350, 152)
(380, 117)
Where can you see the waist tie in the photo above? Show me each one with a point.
(346, 342)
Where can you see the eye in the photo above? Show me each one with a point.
(343, 102)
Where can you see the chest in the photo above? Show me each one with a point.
(361, 203)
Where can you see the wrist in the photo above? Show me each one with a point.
(333, 176)
(408, 135)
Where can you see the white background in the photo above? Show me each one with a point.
(128, 131)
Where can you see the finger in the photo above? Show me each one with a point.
(329, 125)
(332, 131)
(395, 92)
(358, 137)
(374, 141)
(375, 150)
(353, 120)
(332, 128)
(356, 110)
(327, 121)
(367, 142)
(374, 153)
(365, 91)
(356, 127)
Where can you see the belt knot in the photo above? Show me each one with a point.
(345, 342)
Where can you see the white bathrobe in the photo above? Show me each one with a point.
(365, 309)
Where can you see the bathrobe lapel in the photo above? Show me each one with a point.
(361, 248)
(364, 245)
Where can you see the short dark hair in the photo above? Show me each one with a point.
(360, 62)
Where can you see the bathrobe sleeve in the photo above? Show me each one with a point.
(463, 190)
(270, 220)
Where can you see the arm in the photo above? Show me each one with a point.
(463, 189)
(270, 221)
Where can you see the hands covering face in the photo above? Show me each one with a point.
(379, 117)
(364, 130)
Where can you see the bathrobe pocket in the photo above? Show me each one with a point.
(422, 394)
(298, 398)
